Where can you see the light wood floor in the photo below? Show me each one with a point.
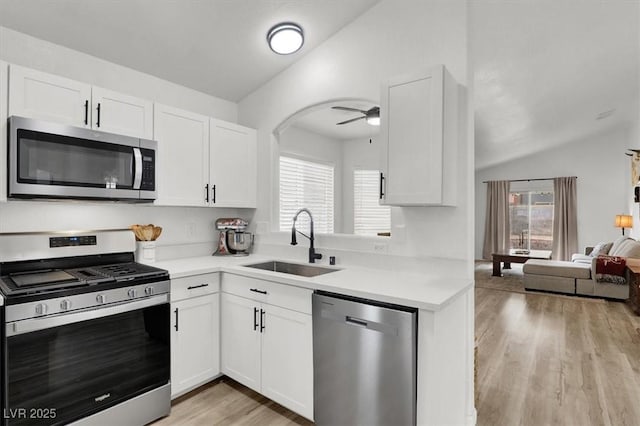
(226, 402)
(543, 360)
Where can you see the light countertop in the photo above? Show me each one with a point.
(419, 290)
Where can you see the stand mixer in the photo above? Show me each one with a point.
(233, 240)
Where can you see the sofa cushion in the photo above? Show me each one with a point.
(616, 245)
(628, 248)
(582, 258)
(558, 268)
(600, 249)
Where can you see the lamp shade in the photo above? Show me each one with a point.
(624, 221)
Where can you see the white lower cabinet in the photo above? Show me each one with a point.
(287, 359)
(266, 347)
(195, 334)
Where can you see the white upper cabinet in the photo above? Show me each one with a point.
(36, 94)
(123, 114)
(232, 165)
(4, 89)
(44, 96)
(419, 139)
(183, 156)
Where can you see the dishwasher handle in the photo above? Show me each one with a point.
(356, 321)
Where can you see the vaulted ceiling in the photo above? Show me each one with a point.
(214, 46)
(551, 72)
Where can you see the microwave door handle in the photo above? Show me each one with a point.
(137, 168)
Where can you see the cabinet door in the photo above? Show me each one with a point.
(4, 89)
(240, 340)
(418, 148)
(123, 114)
(233, 165)
(183, 156)
(195, 343)
(36, 94)
(287, 359)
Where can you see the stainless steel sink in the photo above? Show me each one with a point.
(292, 268)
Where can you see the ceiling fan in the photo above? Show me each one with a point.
(372, 115)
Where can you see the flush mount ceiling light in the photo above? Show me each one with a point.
(285, 38)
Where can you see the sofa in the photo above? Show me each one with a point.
(578, 276)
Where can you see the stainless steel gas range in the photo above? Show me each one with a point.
(85, 336)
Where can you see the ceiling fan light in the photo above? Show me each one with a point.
(285, 38)
(373, 120)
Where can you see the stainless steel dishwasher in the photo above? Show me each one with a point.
(364, 362)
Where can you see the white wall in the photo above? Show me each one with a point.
(389, 39)
(187, 231)
(311, 146)
(603, 185)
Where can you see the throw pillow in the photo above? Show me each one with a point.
(600, 248)
(616, 244)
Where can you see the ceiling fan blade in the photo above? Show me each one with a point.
(349, 109)
(350, 121)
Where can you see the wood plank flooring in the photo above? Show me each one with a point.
(225, 402)
(543, 360)
(548, 360)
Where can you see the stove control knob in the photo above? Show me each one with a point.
(101, 298)
(132, 293)
(148, 290)
(41, 309)
(65, 305)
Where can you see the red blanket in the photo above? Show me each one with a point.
(610, 269)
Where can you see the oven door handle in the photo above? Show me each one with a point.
(35, 324)
(137, 168)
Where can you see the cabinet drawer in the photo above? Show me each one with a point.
(196, 285)
(283, 295)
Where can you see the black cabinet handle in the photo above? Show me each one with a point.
(255, 319)
(191, 287)
(381, 185)
(86, 112)
(213, 195)
(255, 290)
(176, 312)
(262, 312)
(206, 193)
(98, 119)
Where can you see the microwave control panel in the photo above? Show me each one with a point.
(148, 170)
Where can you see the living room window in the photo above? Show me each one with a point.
(531, 216)
(306, 184)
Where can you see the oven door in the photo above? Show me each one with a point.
(56, 161)
(62, 368)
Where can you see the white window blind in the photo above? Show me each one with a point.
(369, 217)
(306, 184)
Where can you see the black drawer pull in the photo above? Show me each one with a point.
(86, 112)
(98, 120)
(255, 319)
(381, 185)
(206, 193)
(255, 290)
(176, 312)
(191, 287)
(262, 312)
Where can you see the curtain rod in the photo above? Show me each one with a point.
(527, 180)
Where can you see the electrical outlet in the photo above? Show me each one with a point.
(380, 247)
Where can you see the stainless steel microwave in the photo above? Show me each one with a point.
(49, 160)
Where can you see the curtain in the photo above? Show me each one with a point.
(565, 218)
(496, 228)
